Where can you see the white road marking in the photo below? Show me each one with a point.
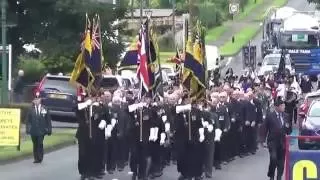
(229, 61)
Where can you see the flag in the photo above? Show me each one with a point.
(194, 72)
(97, 56)
(131, 56)
(146, 70)
(81, 73)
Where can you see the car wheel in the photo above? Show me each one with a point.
(302, 145)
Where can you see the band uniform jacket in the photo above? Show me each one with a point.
(274, 130)
(251, 111)
(192, 118)
(212, 119)
(38, 121)
(238, 111)
(223, 115)
(118, 112)
(143, 117)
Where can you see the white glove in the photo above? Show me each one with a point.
(264, 116)
(253, 123)
(151, 134)
(225, 130)
(102, 124)
(162, 138)
(164, 118)
(82, 105)
(247, 123)
(167, 127)
(110, 104)
(201, 133)
(287, 125)
(233, 119)
(155, 134)
(205, 124)
(88, 102)
(217, 135)
(154, 104)
(107, 131)
(210, 128)
(113, 122)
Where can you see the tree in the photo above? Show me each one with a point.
(56, 27)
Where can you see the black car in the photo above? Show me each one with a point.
(60, 96)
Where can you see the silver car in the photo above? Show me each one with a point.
(271, 62)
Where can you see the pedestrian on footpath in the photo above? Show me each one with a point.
(276, 126)
(37, 126)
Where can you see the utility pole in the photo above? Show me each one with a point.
(174, 22)
(141, 11)
(4, 88)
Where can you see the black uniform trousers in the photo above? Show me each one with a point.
(209, 158)
(37, 142)
(86, 161)
(99, 150)
(155, 153)
(192, 159)
(222, 152)
(140, 153)
(250, 141)
(277, 158)
(117, 153)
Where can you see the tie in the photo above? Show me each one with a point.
(280, 118)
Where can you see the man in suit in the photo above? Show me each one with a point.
(276, 126)
(38, 125)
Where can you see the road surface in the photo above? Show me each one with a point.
(62, 164)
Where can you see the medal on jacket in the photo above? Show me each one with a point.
(145, 118)
(193, 117)
(221, 118)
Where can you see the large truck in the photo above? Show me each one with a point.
(299, 35)
(271, 28)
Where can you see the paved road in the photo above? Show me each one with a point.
(62, 164)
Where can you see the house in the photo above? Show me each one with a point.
(159, 17)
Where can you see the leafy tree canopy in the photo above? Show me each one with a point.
(56, 27)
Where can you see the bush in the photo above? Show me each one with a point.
(33, 69)
(165, 42)
(24, 109)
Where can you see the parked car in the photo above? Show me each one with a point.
(270, 63)
(310, 126)
(304, 107)
(112, 82)
(60, 97)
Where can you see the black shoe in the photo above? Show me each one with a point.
(181, 177)
(134, 177)
(279, 177)
(36, 161)
(120, 169)
(110, 171)
(208, 175)
(83, 177)
(198, 178)
(218, 167)
(271, 178)
(91, 178)
(98, 176)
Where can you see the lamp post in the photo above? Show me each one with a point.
(4, 93)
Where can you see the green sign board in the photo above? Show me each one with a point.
(299, 37)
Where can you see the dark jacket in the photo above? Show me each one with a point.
(274, 130)
(38, 124)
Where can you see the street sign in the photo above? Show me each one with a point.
(234, 8)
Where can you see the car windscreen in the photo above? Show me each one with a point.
(110, 82)
(61, 85)
(315, 110)
(274, 60)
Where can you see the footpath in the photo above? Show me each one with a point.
(243, 27)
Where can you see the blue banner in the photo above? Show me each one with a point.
(303, 165)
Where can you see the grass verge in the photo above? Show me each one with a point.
(275, 4)
(214, 33)
(57, 140)
(248, 9)
(241, 38)
(164, 56)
